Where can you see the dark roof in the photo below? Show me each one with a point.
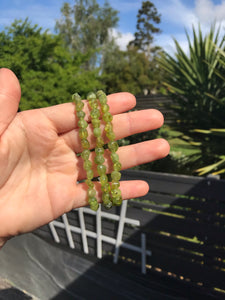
(51, 272)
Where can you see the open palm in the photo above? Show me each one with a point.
(39, 165)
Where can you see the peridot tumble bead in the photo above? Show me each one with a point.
(92, 200)
(117, 201)
(114, 157)
(106, 188)
(111, 135)
(95, 113)
(90, 174)
(113, 146)
(83, 134)
(85, 154)
(97, 132)
(101, 97)
(108, 204)
(103, 179)
(116, 193)
(117, 166)
(87, 165)
(80, 115)
(76, 98)
(115, 175)
(89, 183)
(107, 117)
(99, 141)
(85, 144)
(106, 199)
(79, 106)
(101, 169)
(94, 205)
(99, 159)
(96, 123)
(91, 96)
(99, 150)
(82, 123)
(91, 192)
(105, 108)
(108, 127)
(93, 104)
(115, 185)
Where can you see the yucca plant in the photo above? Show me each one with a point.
(195, 81)
(219, 166)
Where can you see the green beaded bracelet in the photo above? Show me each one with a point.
(113, 147)
(83, 134)
(99, 150)
(111, 194)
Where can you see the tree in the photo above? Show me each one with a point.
(125, 70)
(147, 17)
(193, 82)
(48, 73)
(135, 69)
(85, 27)
(147, 75)
(196, 83)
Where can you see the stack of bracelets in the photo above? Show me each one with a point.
(111, 193)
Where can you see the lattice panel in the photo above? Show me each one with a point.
(116, 241)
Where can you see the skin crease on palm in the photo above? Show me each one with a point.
(39, 166)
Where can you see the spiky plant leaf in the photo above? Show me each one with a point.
(196, 82)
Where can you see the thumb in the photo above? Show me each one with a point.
(10, 93)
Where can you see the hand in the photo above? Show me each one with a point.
(38, 162)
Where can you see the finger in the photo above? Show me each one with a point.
(129, 189)
(9, 98)
(123, 125)
(64, 118)
(130, 156)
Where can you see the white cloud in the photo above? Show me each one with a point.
(179, 16)
(175, 12)
(208, 12)
(122, 39)
(204, 12)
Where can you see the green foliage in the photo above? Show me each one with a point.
(193, 82)
(125, 71)
(196, 83)
(129, 71)
(217, 167)
(147, 17)
(85, 27)
(48, 72)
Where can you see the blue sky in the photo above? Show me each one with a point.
(176, 16)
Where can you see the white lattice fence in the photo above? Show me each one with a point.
(116, 241)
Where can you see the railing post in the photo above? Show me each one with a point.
(120, 231)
